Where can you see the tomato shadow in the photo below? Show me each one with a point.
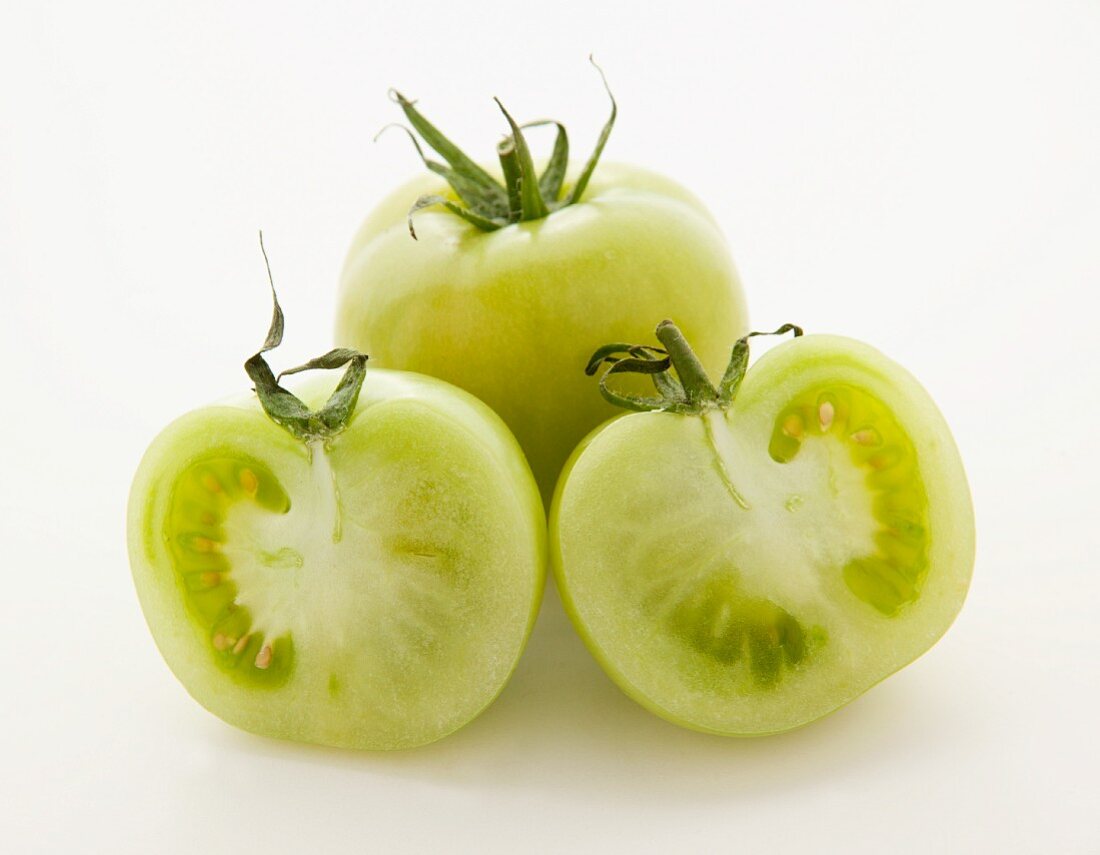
(562, 726)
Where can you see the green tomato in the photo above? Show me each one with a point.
(367, 579)
(509, 306)
(745, 560)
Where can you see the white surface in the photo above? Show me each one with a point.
(924, 176)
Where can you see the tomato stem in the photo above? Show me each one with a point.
(693, 377)
(513, 177)
(520, 176)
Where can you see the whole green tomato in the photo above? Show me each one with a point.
(360, 573)
(510, 286)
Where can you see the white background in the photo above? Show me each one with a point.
(923, 176)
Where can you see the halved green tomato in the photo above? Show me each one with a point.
(371, 589)
(745, 562)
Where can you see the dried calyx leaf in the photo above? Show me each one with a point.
(286, 409)
(679, 378)
(524, 195)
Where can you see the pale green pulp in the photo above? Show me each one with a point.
(513, 315)
(371, 591)
(747, 571)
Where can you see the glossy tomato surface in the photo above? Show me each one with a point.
(371, 590)
(513, 315)
(748, 570)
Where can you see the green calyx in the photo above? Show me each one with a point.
(524, 194)
(681, 382)
(282, 406)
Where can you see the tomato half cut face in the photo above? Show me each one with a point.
(746, 569)
(373, 589)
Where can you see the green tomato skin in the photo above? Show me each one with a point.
(422, 467)
(512, 316)
(651, 485)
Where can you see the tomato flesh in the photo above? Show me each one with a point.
(748, 571)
